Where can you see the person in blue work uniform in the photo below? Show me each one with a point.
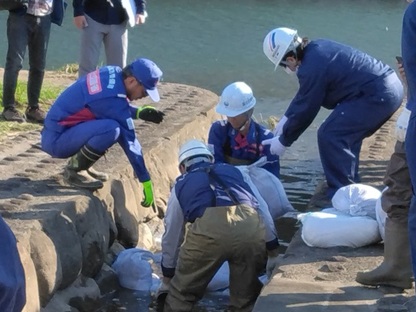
(237, 140)
(409, 64)
(105, 23)
(223, 224)
(362, 92)
(12, 275)
(94, 113)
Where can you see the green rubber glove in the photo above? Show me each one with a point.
(148, 194)
(149, 113)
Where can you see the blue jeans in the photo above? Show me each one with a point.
(32, 32)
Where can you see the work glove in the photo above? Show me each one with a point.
(272, 262)
(163, 289)
(149, 113)
(278, 130)
(401, 125)
(147, 193)
(276, 148)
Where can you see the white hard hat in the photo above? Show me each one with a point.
(278, 42)
(193, 148)
(237, 98)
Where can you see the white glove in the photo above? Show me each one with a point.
(272, 262)
(401, 125)
(163, 290)
(278, 130)
(276, 148)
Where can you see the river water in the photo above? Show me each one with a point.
(210, 44)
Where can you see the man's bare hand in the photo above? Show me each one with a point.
(80, 22)
(140, 19)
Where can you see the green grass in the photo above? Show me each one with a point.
(47, 96)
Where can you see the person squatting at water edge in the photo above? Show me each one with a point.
(94, 113)
(396, 268)
(409, 65)
(223, 223)
(12, 275)
(237, 140)
(362, 92)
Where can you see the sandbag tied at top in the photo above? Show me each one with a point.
(357, 200)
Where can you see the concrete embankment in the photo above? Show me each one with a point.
(67, 237)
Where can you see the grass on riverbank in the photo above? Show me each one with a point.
(48, 95)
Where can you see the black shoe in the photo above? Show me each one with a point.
(12, 114)
(35, 114)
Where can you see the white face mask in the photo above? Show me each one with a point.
(289, 71)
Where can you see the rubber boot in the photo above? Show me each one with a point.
(396, 269)
(76, 172)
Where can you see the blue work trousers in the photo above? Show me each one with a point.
(98, 134)
(341, 135)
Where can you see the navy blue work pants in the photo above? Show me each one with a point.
(98, 134)
(341, 135)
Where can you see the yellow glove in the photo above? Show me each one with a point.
(148, 194)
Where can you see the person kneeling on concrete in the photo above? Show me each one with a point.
(223, 224)
(94, 113)
(12, 275)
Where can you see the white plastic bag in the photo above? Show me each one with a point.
(331, 228)
(357, 200)
(133, 269)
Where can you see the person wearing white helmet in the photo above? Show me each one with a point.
(362, 91)
(223, 223)
(237, 140)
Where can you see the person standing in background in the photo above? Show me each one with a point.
(28, 27)
(105, 21)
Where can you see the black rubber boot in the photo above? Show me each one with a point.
(396, 269)
(76, 172)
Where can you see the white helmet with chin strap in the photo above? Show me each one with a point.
(280, 41)
(236, 99)
(194, 151)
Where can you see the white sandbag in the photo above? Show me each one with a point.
(330, 228)
(221, 279)
(133, 269)
(357, 199)
(270, 189)
(381, 216)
